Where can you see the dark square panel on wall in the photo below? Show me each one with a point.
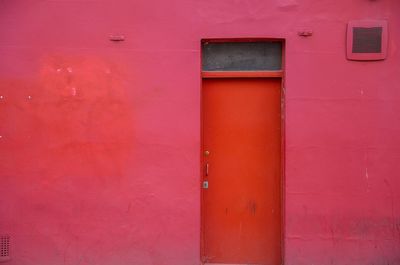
(367, 40)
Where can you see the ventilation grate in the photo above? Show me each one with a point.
(367, 40)
(4, 247)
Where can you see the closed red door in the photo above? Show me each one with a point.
(241, 211)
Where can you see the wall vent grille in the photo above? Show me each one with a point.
(367, 40)
(4, 247)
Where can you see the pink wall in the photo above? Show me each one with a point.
(100, 141)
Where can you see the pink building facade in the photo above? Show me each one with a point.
(100, 140)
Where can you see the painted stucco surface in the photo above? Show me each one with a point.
(99, 147)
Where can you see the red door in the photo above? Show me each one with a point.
(241, 208)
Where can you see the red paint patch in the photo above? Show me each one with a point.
(75, 121)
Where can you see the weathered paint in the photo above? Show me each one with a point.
(241, 208)
(100, 140)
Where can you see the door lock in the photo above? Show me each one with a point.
(205, 184)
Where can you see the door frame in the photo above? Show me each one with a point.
(244, 74)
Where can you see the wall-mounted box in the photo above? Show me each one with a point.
(367, 40)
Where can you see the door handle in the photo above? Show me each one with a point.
(207, 169)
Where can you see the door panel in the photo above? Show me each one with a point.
(241, 211)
